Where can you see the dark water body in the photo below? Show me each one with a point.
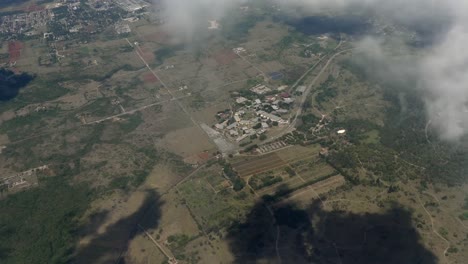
(11, 83)
(317, 25)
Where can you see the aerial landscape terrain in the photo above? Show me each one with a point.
(243, 131)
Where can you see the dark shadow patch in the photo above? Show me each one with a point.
(318, 236)
(318, 25)
(11, 83)
(111, 246)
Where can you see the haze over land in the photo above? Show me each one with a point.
(440, 73)
(229, 131)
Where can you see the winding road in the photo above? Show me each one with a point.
(306, 93)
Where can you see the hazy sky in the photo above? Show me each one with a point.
(442, 73)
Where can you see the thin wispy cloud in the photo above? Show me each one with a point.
(442, 72)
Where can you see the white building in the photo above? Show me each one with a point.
(301, 89)
(241, 100)
(271, 117)
(260, 89)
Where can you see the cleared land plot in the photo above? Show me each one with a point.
(259, 165)
(321, 170)
(212, 211)
(274, 160)
(313, 170)
(14, 50)
(310, 192)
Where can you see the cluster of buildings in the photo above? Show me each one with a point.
(122, 28)
(25, 23)
(239, 50)
(64, 17)
(131, 5)
(21, 180)
(255, 115)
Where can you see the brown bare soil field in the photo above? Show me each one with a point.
(271, 161)
(225, 57)
(258, 165)
(32, 7)
(150, 78)
(146, 53)
(187, 141)
(14, 49)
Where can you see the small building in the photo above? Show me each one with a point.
(324, 152)
(301, 89)
(260, 89)
(271, 117)
(231, 126)
(239, 139)
(213, 24)
(220, 126)
(282, 88)
(239, 50)
(233, 133)
(241, 100)
(282, 111)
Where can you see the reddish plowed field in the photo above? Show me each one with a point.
(14, 49)
(259, 165)
(32, 8)
(225, 57)
(146, 54)
(150, 78)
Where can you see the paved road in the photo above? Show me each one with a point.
(304, 96)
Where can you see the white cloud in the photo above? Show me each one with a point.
(442, 73)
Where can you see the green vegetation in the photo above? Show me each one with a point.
(19, 127)
(290, 171)
(465, 206)
(39, 226)
(452, 249)
(237, 26)
(122, 183)
(284, 190)
(178, 242)
(326, 92)
(101, 107)
(197, 101)
(399, 149)
(308, 121)
(463, 216)
(166, 52)
(131, 123)
(237, 182)
(258, 182)
(313, 49)
(257, 126)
